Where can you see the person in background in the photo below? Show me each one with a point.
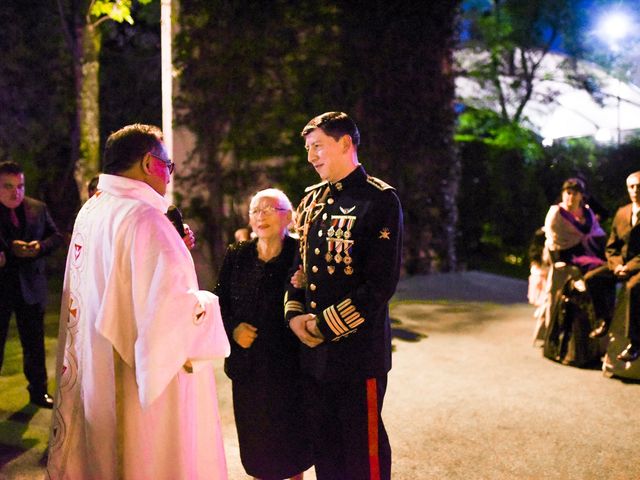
(350, 230)
(242, 235)
(92, 186)
(538, 270)
(138, 339)
(263, 365)
(623, 257)
(574, 236)
(27, 235)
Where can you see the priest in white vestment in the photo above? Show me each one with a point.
(136, 396)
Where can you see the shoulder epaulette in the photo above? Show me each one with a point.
(379, 184)
(313, 187)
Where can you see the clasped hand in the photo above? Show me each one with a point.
(305, 327)
(23, 249)
(245, 334)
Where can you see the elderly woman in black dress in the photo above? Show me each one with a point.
(263, 364)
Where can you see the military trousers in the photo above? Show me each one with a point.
(349, 438)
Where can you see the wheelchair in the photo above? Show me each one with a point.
(568, 319)
(611, 366)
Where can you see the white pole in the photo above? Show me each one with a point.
(167, 85)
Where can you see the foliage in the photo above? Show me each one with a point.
(36, 102)
(505, 193)
(251, 78)
(239, 95)
(81, 20)
(130, 72)
(514, 37)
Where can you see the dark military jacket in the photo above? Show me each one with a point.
(350, 246)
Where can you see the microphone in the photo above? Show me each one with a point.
(175, 216)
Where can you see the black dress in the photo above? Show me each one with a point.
(267, 396)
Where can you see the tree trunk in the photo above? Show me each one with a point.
(87, 70)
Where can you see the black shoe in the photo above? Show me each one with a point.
(600, 331)
(42, 400)
(629, 354)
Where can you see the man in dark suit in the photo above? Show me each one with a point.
(27, 234)
(623, 257)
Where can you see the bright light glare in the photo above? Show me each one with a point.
(603, 136)
(613, 27)
(547, 142)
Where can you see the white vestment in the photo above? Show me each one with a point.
(131, 316)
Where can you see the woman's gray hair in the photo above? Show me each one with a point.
(278, 195)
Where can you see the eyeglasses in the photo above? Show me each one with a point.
(167, 161)
(269, 210)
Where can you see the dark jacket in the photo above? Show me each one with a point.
(35, 224)
(623, 246)
(251, 291)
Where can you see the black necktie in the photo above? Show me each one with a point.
(14, 218)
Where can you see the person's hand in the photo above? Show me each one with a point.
(306, 329)
(22, 249)
(189, 238)
(312, 327)
(299, 279)
(620, 271)
(33, 248)
(3, 259)
(188, 367)
(245, 334)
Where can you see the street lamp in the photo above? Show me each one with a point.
(613, 27)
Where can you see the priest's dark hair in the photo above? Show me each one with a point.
(129, 145)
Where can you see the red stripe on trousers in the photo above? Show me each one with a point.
(372, 417)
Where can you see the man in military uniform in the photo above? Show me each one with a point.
(350, 228)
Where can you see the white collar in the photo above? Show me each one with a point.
(128, 187)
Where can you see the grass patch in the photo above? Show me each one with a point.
(24, 427)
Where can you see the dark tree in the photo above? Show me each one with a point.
(36, 103)
(397, 58)
(252, 77)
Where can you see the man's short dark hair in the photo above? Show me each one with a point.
(334, 124)
(10, 168)
(129, 145)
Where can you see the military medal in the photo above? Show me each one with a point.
(348, 270)
(338, 255)
(329, 256)
(331, 269)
